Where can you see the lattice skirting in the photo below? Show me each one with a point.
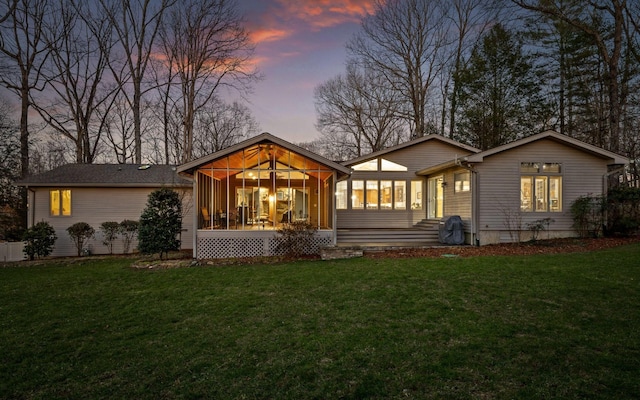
(229, 244)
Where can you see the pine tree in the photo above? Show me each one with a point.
(160, 223)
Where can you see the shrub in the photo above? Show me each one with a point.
(110, 231)
(623, 211)
(160, 223)
(40, 239)
(128, 230)
(296, 238)
(80, 233)
(538, 226)
(588, 215)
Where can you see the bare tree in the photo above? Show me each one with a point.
(23, 51)
(7, 8)
(80, 43)
(359, 111)
(136, 24)
(210, 48)
(219, 125)
(405, 40)
(470, 18)
(118, 128)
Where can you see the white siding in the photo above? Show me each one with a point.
(499, 187)
(97, 205)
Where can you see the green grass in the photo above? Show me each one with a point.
(557, 326)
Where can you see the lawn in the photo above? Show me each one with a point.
(502, 327)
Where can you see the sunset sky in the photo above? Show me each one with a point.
(299, 44)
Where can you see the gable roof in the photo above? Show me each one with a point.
(410, 143)
(108, 175)
(190, 167)
(555, 136)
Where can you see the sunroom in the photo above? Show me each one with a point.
(245, 193)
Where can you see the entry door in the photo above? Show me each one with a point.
(435, 206)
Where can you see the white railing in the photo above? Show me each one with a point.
(11, 251)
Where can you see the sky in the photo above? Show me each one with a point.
(299, 45)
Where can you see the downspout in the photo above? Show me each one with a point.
(195, 215)
(31, 209)
(474, 201)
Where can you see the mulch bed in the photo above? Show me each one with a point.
(553, 246)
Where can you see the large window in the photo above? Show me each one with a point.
(540, 187)
(416, 195)
(341, 195)
(378, 195)
(60, 202)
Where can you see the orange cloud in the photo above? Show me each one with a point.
(326, 13)
(269, 35)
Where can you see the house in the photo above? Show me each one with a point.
(97, 193)
(245, 192)
(501, 192)
(237, 198)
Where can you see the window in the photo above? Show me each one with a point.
(60, 202)
(357, 195)
(399, 195)
(371, 165)
(541, 187)
(386, 196)
(462, 182)
(385, 165)
(416, 195)
(372, 195)
(341, 195)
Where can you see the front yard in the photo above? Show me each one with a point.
(502, 327)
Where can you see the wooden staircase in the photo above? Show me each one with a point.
(424, 233)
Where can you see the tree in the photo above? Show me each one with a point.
(39, 239)
(11, 223)
(137, 24)
(160, 223)
(80, 233)
(405, 41)
(219, 125)
(210, 48)
(606, 23)
(110, 231)
(470, 18)
(80, 46)
(360, 112)
(23, 50)
(498, 93)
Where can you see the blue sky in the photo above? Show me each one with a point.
(299, 45)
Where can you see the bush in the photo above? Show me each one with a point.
(296, 238)
(129, 230)
(110, 231)
(80, 233)
(623, 211)
(40, 239)
(160, 223)
(538, 226)
(588, 215)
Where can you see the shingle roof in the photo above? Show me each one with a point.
(108, 175)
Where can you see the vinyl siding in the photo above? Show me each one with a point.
(499, 187)
(97, 205)
(415, 158)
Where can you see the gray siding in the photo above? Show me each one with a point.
(97, 205)
(499, 187)
(415, 158)
(456, 203)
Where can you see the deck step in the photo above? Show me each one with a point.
(387, 237)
